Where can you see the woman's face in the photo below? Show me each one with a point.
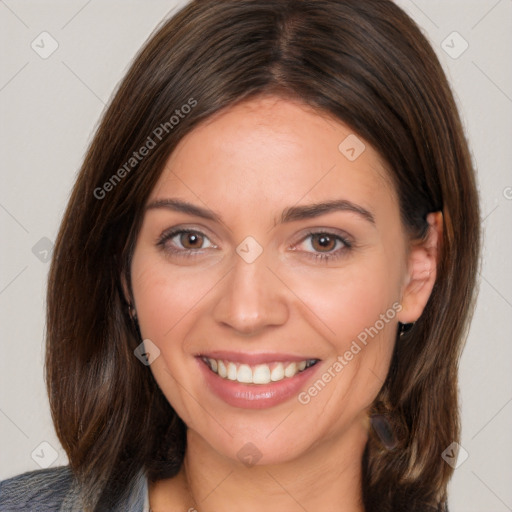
(270, 271)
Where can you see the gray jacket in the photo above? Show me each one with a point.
(53, 490)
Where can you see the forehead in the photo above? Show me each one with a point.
(276, 150)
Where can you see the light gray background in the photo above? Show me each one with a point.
(49, 109)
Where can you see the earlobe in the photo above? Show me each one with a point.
(127, 295)
(422, 270)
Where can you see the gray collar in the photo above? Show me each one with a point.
(136, 500)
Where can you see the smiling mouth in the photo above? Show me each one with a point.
(258, 373)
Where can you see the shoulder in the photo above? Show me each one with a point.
(40, 490)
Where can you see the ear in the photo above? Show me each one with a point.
(422, 270)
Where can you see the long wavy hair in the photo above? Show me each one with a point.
(367, 64)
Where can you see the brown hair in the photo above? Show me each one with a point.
(367, 64)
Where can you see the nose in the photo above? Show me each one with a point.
(251, 299)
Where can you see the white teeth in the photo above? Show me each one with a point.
(290, 370)
(221, 370)
(231, 371)
(277, 373)
(258, 374)
(261, 374)
(244, 374)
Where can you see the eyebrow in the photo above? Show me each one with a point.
(309, 211)
(178, 205)
(291, 214)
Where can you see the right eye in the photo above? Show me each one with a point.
(184, 242)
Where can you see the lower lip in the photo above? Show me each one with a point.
(255, 396)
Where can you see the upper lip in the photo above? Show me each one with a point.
(252, 359)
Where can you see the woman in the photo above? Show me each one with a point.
(265, 272)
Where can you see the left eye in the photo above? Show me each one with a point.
(323, 245)
(324, 242)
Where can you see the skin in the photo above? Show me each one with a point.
(248, 164)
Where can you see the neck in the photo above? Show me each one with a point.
(328, 477)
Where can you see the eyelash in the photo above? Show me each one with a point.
(332, 255)
(317, 256)
(169, 235)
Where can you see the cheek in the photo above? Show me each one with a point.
(343, 303)
(166, 297)
(354, 309)
(167, 301)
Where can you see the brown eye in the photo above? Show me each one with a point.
(323, 242)
(324, 246)
(191, 240)
(182, 242)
